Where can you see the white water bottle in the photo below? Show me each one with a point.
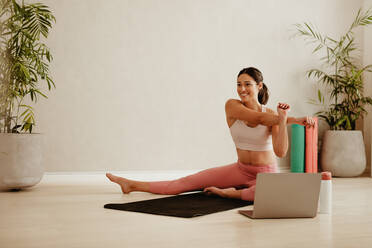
(325, 196)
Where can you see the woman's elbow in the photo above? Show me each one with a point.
(280, 153)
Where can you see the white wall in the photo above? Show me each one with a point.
(141, 85)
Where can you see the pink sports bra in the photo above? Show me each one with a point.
(251, 138)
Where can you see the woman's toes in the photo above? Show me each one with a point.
(112, 178)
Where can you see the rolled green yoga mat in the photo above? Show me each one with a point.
(298, 148)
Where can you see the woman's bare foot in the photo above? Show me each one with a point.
(125, 184)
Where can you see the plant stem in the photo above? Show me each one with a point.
(8, 121)
(336, 80)
(19, 103)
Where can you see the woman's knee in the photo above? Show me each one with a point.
(179, 186)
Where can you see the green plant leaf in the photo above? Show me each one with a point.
(26, 106)
(40, 93)
(348, 124)
(319, 96)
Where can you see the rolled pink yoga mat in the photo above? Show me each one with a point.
(311, 148)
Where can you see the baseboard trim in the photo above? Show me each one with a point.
(134, 175)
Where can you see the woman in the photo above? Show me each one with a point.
(258, 132)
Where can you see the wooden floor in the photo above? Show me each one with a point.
(67, 211)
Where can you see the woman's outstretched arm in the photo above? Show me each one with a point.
(234, 109)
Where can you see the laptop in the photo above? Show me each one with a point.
(285, 195)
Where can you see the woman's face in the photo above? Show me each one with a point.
(247, 88)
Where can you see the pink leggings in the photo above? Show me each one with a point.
(236, 175)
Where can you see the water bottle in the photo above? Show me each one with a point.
(325, 196)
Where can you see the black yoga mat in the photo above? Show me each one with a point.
(186, 205)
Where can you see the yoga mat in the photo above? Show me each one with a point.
(309, 147)
(311, 150)
(298, 148)
(315, 146)
(185, 205)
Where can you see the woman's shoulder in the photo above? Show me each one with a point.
(232, 104)
(232, 100)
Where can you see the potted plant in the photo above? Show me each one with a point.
(24, 60)
(343, 151)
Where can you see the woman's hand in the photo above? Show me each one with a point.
(227, 193)
(283, 109)
(305, 121)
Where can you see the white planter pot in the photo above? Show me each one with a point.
(20, 160)
(343, 153)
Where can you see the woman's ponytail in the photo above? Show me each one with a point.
(263, 94)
